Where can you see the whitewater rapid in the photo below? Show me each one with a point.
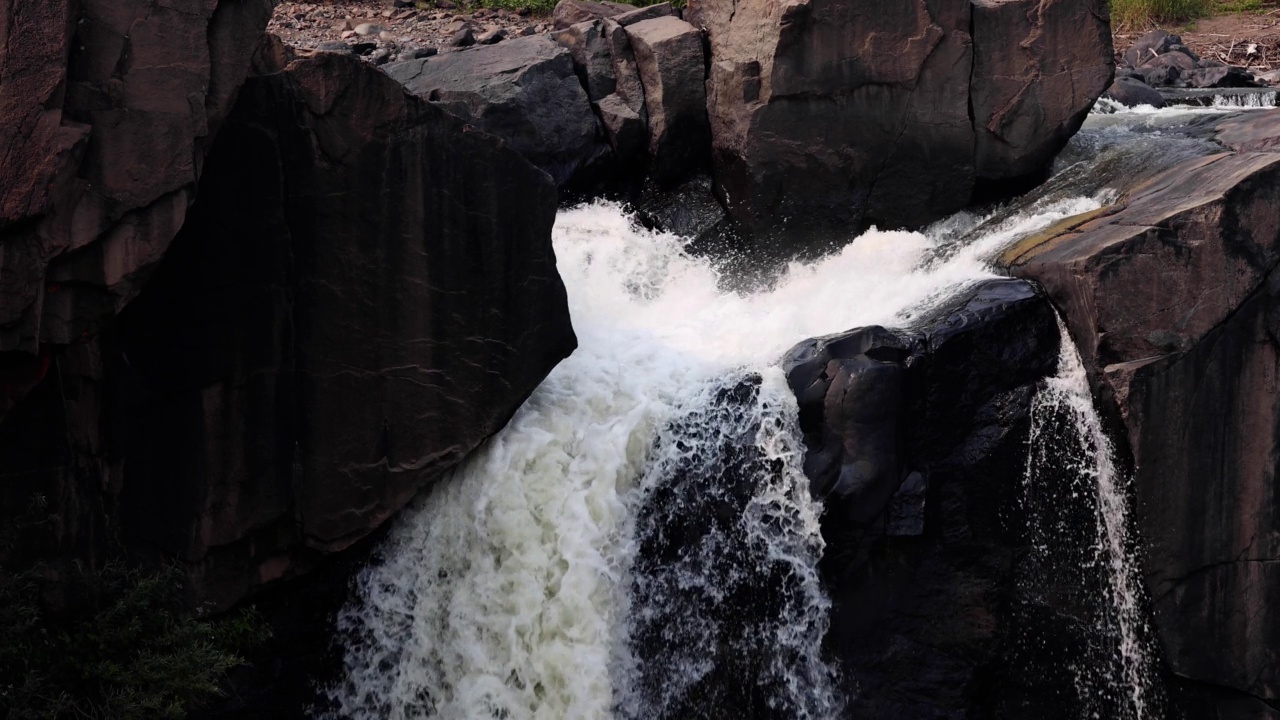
(508, 591)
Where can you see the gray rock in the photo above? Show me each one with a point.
(625, 74)
(572, 12)
(367, 29)
(1132, 92)
(380, 56)
(524, 91)
(422, 52)
(669, 58)
(490, 37)
(1156, 42)
(628, 133)
(645, 13)
(335, 46)
(592, 61)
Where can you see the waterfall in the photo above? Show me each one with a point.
(638, 542)
(1072, 480)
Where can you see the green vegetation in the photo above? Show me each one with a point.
(124, 647)
(1138, 14)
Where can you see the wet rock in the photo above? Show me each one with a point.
(524, 91)
(689, 210)
(669, 58)
(1132, 92)
(1171, 296)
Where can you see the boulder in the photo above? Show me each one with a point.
(625, 73)
(106, 111)
(571, 12)
(1131, 92)
(627, 132)
(1171, 295)
(669, 58)
(592, 60)
(918, 442)
(363, 292)
(814, 124)
(1037, 70)
(1155, 43)
(523, 91)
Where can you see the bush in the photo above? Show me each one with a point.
(1136, 14)
(124, 648)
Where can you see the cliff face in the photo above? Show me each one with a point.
(363, 291)
(1171, 294)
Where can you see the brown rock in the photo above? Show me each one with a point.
(572, 12)
(669, 58)
(1172, 297)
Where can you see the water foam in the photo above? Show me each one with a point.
(506, 591)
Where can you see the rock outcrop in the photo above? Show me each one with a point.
(917, 441)
(1171, 296)
(524, 91)
(1160, 60)
(363, 291)
(833, 115)
(106, 112)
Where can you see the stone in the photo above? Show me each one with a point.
(572, 12)
(1171, 295)
(350, 245)
(689, 210)
(524, 91)
(462, 38)
(380, 56)
(1037, 70)
(1220, 77)
(648, 12)
(335, 46)
(669, 59)
(367, 29)
(1131, 92)
(627, 133)
(1155, 43)
(1161, 76)
(626, 75)
(592, 60)
(817, 131)
(490, 37)
(423, 52)
(1177, 60)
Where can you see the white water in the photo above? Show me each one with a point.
(1120, 675)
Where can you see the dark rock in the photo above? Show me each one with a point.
(592, 60)
(670, 61)
(1161, 76)
(1179, 48)
(1153, 44)
(1183, 63)
(1171, 296)
(627, 132)
(689, 210)
(626, 76)
(364, 49)
(572, 12)
(462, 38)
(1220, 77)
(1038, 67)
(1131, 93)
(523, 91)
(816, 127)
(490, 37)
(417, 53)
(380, 56)
(350, 244)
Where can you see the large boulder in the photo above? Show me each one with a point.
(524, 91)
(363, 292)
(671, 65)
(833, 114)
(1172, 296)
(918, 444)
(106, 112)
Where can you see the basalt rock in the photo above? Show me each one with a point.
(815, 124)
(917, 443)
(524, 91)
(669, 59)
(572, 12)
(1172, 295)
(362, 293)
(1132, 92)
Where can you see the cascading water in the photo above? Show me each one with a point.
(1071, 469)
(639, 541)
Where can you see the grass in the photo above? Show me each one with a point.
(1138, 14)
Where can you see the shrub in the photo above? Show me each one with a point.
(125, 647)
(1135, 14)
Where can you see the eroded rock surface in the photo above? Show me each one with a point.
(1171, 296)
(839, 114)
